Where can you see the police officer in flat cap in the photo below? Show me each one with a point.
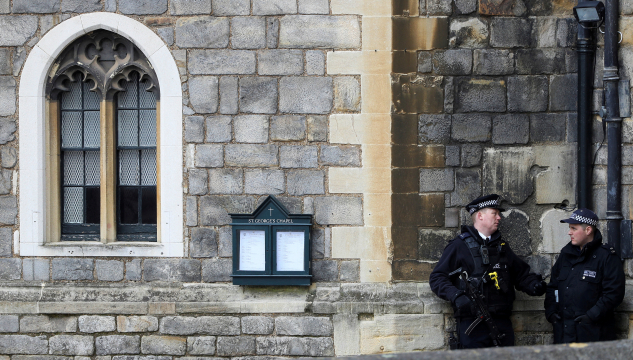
(586, 285)
(477, 273)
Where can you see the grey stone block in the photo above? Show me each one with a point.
(96, 324)
(229, 97)
(133, 270)
(201, 345)
(5, 181)
(5, 62)
(338, 210)
(324, 270)
(217, 270)
(198, 181)
(563, 92)
(203, 94)
(317, 128)
(350, 270)
(35, 6)
(191, 209)
(221, 62)
(258, 325)
(566, 32)
(453, 62)
(346, 94)
(572, 125)
(431, 243)
(72, 269)
(36, 269)
(474, 95)
(258, 95)
(109, 270)
(202, 32)
(425, 61)
(251, 128)
(511, 129)
(225, 246)
(451, 155)
(468, 33)
(314, 7)
(181, 270)
(110, 5)
(288, 128)
(204, 243)
(5, 8)
(467, 186)
(209, 156)
(118, 344)
(514, 223)
(493, 62)
(10, 323)
(547, 127)
(81, 6)
(236, 345)
(9, 156)
(23, 344)
(509, 32)
(17, 29)
(439, 7)
(8, 210)
(262, 182)
(340, 155)
(43, 323)
(248, 32)
(136, 324)
(251, 155)
(305, 95)
(434, 128)
(194, 129)
(6, 240)
(471, 155)
(214, 210)
(231, 7)
(274, 7)
(319, 31)
(471, 127)
(298, 156)
(466, 6)
(304, 326)
(527, 93)
(225, 181)
(7, 130)
(218, 129)
(272, 32)
(190, 7)
(295, 346)
(315, 62)
(540, 61)
(280, 62)
(146, 7)
(163, 345)
(432, 180)
(7, 96)
(306, 182)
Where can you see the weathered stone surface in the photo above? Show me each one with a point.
(217, 270)
(432, 180)
(225, 181)
(219, 127)
(258, 325)
(71, 345)
(209, 156)
(452, 155)
(203, 94)
(471, 127)
(23, 344)
(563, 92)
(136, 323)
(306, 182)
(198, 181)
(194, 129)
(7, 97)
(510, 32)
(225, 246)
(527, 93)
(540, 61)
(487, 95)
(346, 94)
(507, 173)
(258, 95)
(222, 62)
(439, 7)
(10, 323)
(540, 264)
(251, 128)
(117, 344)
(493, 62)
(248, 32)
(272, 32)
(547, 127)
(350, 270)
(201, 345)
(314, 7)
(261, 182)
(319, 31)
(514, 226)
(203, 243)
(304, 326)
(288, 128)
(8, 210)
(453, 62)
(566, 32)
(468, 33)
(163, 345)
(315, 62)
(183, 270)
(554, 233)
(81, 6)
(297, 156)
(558, 182)
(231, 7)
(9, 155)
(434, 128)
(214, 210)
(17, 29)
(251, 155)
(5, 62)
(431, 243)
(5, 181)
(6, 240)
(229, 97)
(145, 7)
(408, 332)
(511, 129)
(295, 346)
(467, 186)
(190, 7)
(35, 6)
(471, 155)
(317, 128)
(72, 269)
(7, 129)
(337, 210)
(425, 61)
(191, 215)
(10, 269)
(274, 7)
(133, 270)
(305, 95)
(43, 323)
(340, 156)
(280, 62)
(236, 345)
(109, 270)
(202, 32)
(208, 325)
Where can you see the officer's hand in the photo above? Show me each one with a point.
(539, 288)
(583, 319)
(554, 318)
(462, 302)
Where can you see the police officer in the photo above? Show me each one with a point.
(495, 270)
(587, 283)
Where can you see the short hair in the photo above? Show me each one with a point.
(593, 228)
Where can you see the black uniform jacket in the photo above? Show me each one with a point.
(589, 282)
(456, 254)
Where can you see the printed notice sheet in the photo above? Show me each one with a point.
(253, 250)
(290, 251)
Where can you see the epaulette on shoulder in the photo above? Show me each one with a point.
(609, 248)
(463, 235)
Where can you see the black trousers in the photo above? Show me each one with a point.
(480, 337)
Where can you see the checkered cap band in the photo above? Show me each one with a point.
(584, 220)
(483, 204)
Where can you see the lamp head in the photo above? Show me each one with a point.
(589, 13)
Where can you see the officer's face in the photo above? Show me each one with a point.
(579, 235)
(489, 220)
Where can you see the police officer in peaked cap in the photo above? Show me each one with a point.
(586, 285)
(482, 256)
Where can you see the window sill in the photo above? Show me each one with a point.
(95, 248)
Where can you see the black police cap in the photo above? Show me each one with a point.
(489, 201)
(582, 216)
